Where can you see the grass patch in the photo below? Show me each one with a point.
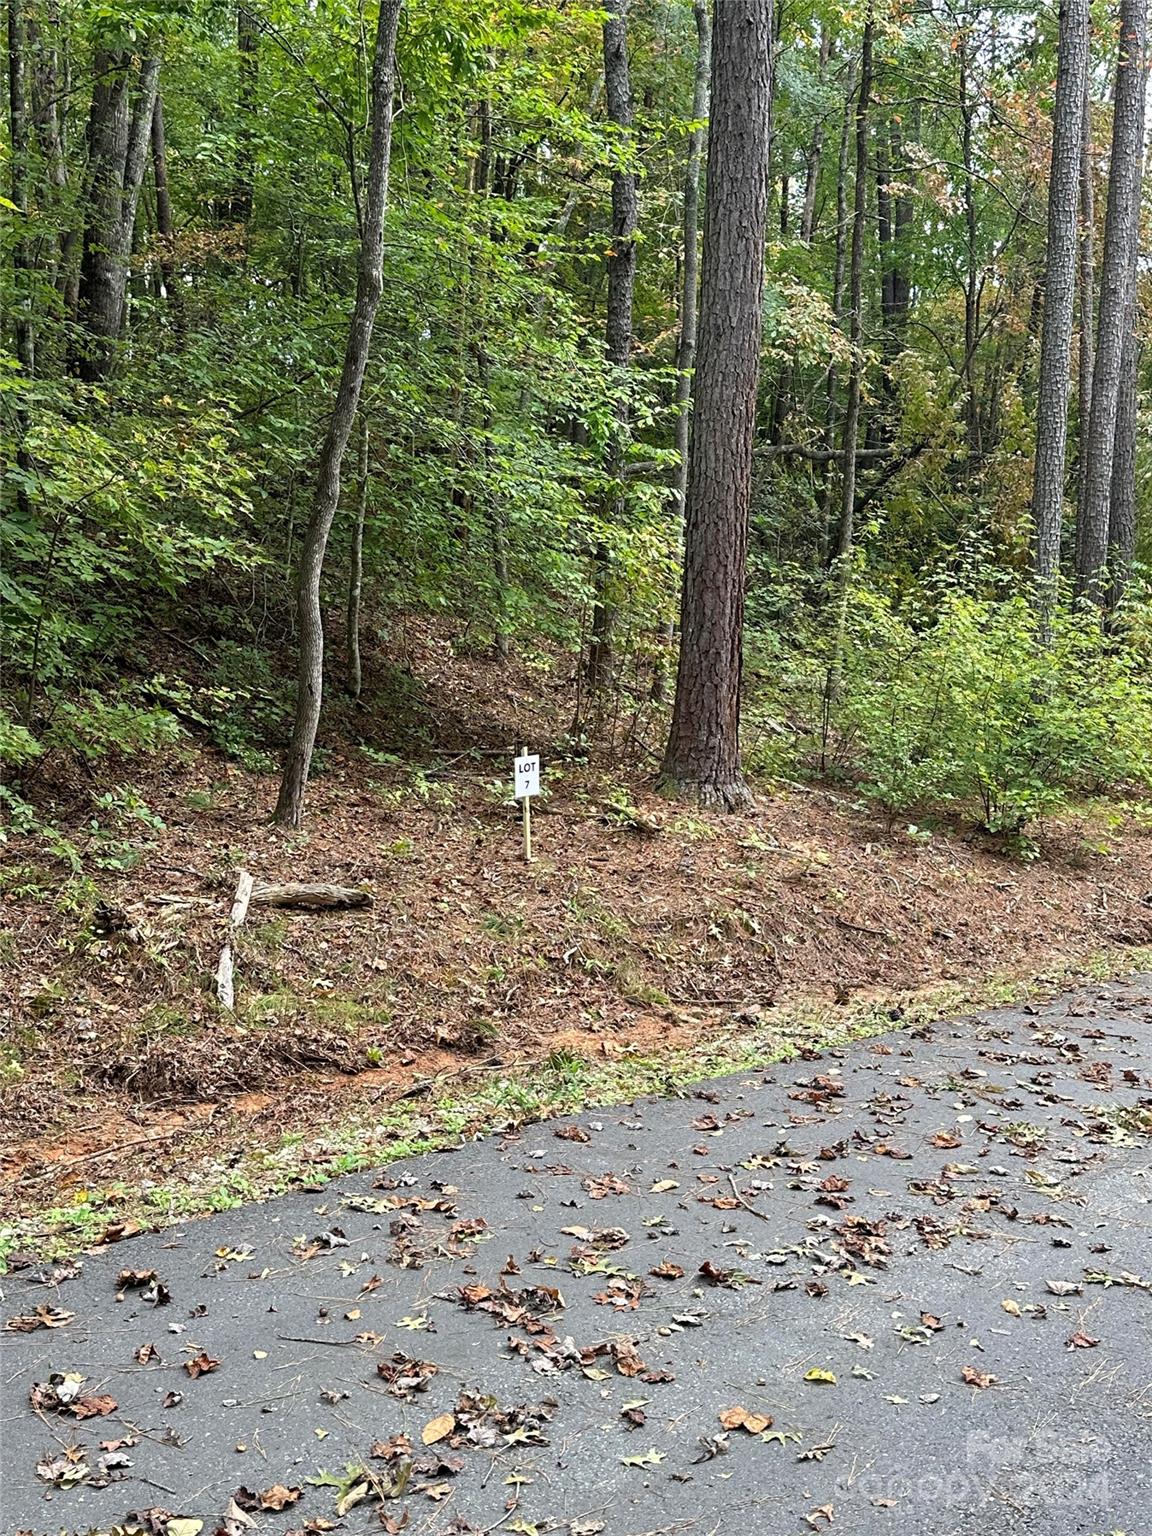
(477, 1101)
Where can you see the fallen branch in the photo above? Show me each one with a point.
(311, 898)
(225, 982)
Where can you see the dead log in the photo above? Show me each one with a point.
(310, 898)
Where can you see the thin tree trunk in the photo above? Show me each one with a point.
(1117, 277)
(1087, 300)
(1059, 300)
(850, 439)
(971, 273)
(816, 149)
(248, 53)
(369, 284)
(354, 681)
(824, 498)
(618, 329)
(1122, 505)
(18, 183)
(901, 223)
(165, 227)
(689, 300)
(702, 758)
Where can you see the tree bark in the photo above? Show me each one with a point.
(369, 283)
(840, 249)
(971, 272)
(354, 680)
(18, 184)
(165, 226)
(1086, 298)
(702, 759)
(248, 56)
(1117, 279)
(1059, 299)
(815, 151)
(119, 133)
(618, 328)
(689, 294)
(1122, 505)
(851, 436)
(689, 302)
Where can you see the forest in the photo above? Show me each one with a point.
(743, 409)
(575, 767)
(316, 320)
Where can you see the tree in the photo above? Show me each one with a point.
(690, 283)
(369, 282)
(119, 138)
(618, 324)
(18, 182)
(1117, 279)
(855, 313)
(702, 759)
(1059, 296)
(1086, 295)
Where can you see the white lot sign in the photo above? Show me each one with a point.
(527, 776)
(526, 779)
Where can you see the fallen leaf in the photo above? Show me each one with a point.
(975, 1378)
(741, 1418)
(820, 1378)
(200, 1365)
(278, 1497)
(43, 1317)
(650, 1458)
(438, 1428)
(1080, 1340)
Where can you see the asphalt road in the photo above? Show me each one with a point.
(925, 1259)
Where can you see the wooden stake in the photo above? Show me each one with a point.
(527, 805)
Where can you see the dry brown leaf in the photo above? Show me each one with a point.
(438, 1428)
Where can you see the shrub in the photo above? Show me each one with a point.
(971, 709)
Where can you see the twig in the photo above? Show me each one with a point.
(745, 1203)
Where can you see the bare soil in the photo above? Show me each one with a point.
(634, 930)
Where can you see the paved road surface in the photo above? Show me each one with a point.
(889, 1251)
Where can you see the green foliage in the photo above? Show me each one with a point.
(961, 707)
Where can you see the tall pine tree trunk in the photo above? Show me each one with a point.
(702, 759)
(1122, 504)
(1117, 277)
(689, 295)
(1059, 299)
(369, 284)
(1086, 299)
(618, 329)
